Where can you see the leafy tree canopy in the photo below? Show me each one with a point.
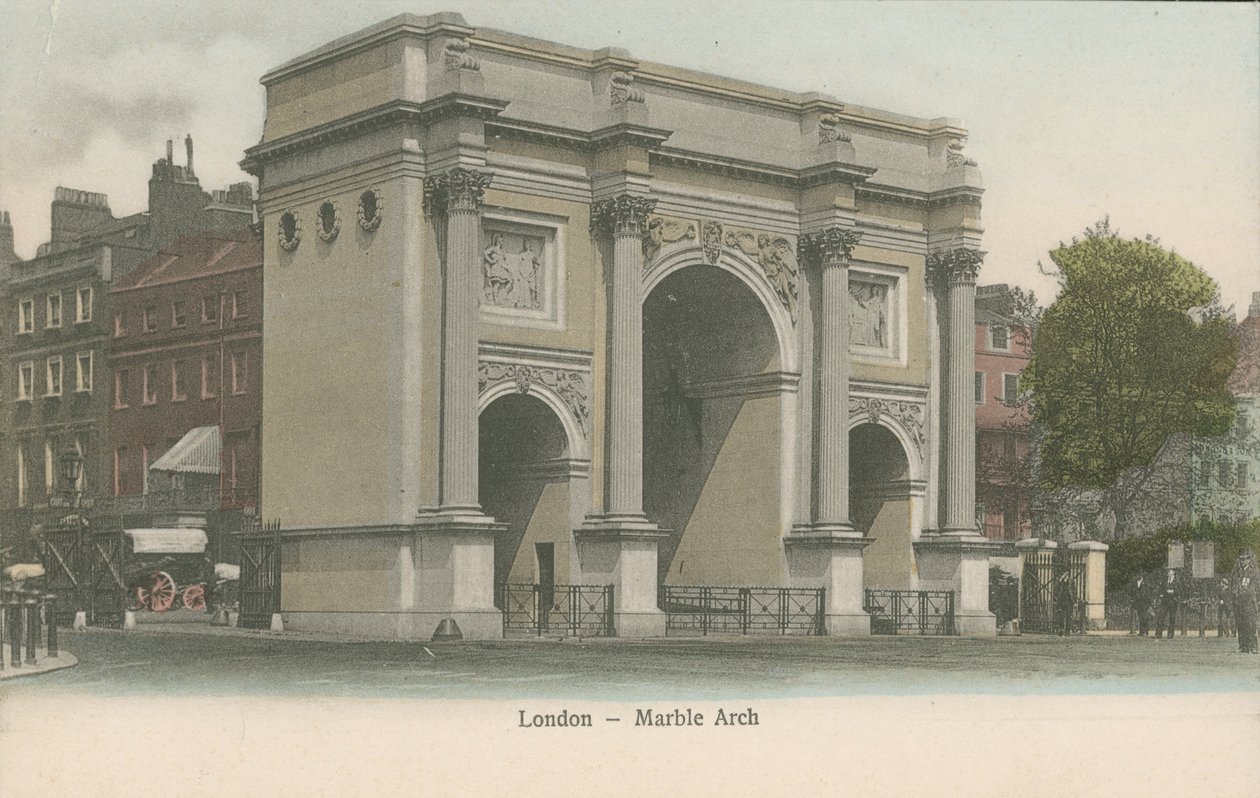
(1135, 349)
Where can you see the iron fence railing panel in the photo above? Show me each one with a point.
(920, 612)
(572, 610)
(704, 610)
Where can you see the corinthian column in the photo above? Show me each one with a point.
(458, 194)
(831, 249)
(624, 217)
(955, 271)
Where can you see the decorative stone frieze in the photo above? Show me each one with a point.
(569, 385)
(661, 231)
(711, 241)
(832, 245)
(777, 258)
(456, 189)
(909, 415)
(621, 89)
(829, 130)
(623, 215)
(455, 56)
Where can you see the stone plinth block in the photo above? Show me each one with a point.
(831, 558)
(959, 563)
(622, 552)
(1095, 581)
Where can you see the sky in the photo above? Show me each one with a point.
(1148, 113)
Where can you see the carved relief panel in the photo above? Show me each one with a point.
(521, 274)
(875, 314)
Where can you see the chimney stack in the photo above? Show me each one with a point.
(1253, 311)
(170, 152)
(188, 147)
(7, 254)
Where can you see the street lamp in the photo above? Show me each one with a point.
(71, 468)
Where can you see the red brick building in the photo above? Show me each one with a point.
(185, 359)
(1003, 348)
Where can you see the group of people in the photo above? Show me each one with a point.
(1158, 598)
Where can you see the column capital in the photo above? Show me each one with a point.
(457, 189)
(831, 246)
(623, 215)
(954, 266)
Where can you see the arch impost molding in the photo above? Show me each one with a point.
(560, 378)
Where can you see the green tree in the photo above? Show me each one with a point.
(1137, 348)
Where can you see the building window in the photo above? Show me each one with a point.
(209, 309)
(979, 387)
(49, 472)
(26, 381)
(120, 459)
(121, 377)
(1241, 475)
(209, 378)
(178, 315)
(150, 385)
(53, 319)
(1224, 474)
(1010, 388)
(179, 385)
(240, 372)
(120, 327)
(83, 372)
(999, 338)
(83, 304)
(80, 485)
(238, 305)
(26, 316)
(52, 385)
(144, 469)
(149, 316)
(21, 476)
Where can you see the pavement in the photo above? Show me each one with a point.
(43, 663)
(190, 659)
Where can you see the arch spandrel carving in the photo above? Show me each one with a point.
(906, 418)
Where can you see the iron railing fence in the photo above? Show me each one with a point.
(572, 610)
(918, 612)
(700, 610)
(259, 585)
(1046, 573)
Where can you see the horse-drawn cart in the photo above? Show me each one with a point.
(169, 568)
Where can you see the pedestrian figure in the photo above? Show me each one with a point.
(1142, 604)
(1166, 617)
(1225, 611)
(1243, 587)
(1064, 603)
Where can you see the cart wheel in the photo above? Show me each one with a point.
(162, 592)
(195, 598)
(142, 598)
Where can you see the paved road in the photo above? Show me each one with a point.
(176, 662)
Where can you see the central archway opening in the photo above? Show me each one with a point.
(525, 471)
(880, 505)
(712, 423)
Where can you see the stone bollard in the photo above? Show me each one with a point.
(80, 621)
(30, 605)
(277, 622)
(129, 619)
(51, 605)
(14, 610)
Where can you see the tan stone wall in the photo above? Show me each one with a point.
(326, 93)
(353, 574)
(889, 560)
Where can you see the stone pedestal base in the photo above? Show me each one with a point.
(454, 561)
(1095, 582)
(959, 561)
(830, 557)
(622, 551)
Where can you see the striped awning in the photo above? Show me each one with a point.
(196, 453)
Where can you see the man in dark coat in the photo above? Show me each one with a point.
(1142, 604)
(1243, 584)
(1064, 603)
(1169, 597)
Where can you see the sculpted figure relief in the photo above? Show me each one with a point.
(777, 260)
(512, 276)
(868, 314)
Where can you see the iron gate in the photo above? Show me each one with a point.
(260, 575)
(108, 590)
(1044, 573)
(573, 610)
(920, 612)
(67, 566)
(695, 610)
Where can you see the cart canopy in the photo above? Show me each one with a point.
(167, 541)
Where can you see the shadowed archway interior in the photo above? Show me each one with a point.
(879, 490)
(711, 432)
(524, 478)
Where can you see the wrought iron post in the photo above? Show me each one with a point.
(4, 620)
(15, 628)
(745, 609)
(50, 613)
(31, 606)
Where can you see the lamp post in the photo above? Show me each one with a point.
(71, 468)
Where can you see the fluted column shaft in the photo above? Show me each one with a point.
(830, 249)
(624, 217)
(457, 194)
(956, 272)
